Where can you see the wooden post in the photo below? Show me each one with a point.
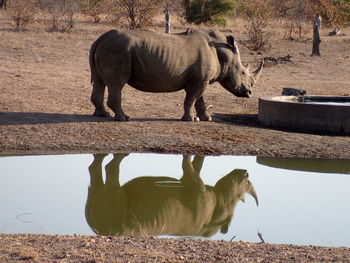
(316, 37)
(167, 19)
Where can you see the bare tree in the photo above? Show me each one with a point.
(136, 13)
(3, 4)
(316, 36)
(62, 14)
(295, 15)
(167, 18)
(22, 12)
(93, 8)
(187, 9)
(258, 14)
(171, 7)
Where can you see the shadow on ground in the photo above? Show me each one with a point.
(25, 118)
(251, 120)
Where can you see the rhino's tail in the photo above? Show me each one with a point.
(92, 61)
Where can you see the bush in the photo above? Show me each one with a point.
(295, 14)
(93, 8)
(333, 13)
(258, 14)
(61, 14)
(210, 11)
(22, 12)
(136, 14)
(345, 13)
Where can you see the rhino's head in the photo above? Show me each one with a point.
(235, 77)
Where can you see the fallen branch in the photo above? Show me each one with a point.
(272, 61)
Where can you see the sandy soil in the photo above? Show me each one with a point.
(45, 109)
(41, 248)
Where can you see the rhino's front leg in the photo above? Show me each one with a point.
(113, 169)
(201, 109)
(192, 95)
(188, 105)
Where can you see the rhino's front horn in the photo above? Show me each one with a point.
(253, 194)
(257, 72)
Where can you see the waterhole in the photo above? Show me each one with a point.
(290, 201)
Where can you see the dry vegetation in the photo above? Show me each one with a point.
(45, 108)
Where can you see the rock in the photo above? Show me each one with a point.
(293, 92)
(336, 31)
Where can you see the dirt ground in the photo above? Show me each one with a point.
(45, 109)
(41, 248)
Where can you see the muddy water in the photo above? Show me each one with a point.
(299, 201)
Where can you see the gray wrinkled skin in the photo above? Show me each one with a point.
(157, 62)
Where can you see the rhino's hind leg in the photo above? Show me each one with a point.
(201, 109)
(115, 102)
(97, 96)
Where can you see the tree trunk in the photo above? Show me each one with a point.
(316, 37)
(167, 19)
(187, 6)
(3, 4)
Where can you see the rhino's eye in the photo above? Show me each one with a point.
(243, 73)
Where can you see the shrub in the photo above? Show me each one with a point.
(22, 12)
(345, 13)
(258, 14)
(135, 14)
(333, 13)
(93, 8)
(210, 11)
(295, 15)
(61, 14)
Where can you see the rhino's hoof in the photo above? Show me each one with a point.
(122, 118)
(205, 118)
(187, 118)
(101, 113)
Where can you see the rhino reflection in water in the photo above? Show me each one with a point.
(162, 205)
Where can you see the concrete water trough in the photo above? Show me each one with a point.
(307, 113)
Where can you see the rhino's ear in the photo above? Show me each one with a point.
(230, 40)
(231, 44)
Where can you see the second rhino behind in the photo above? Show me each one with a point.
(158, 62)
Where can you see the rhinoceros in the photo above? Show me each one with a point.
(157, 205)
(158, 62)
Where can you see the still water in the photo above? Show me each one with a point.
(218, 197)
